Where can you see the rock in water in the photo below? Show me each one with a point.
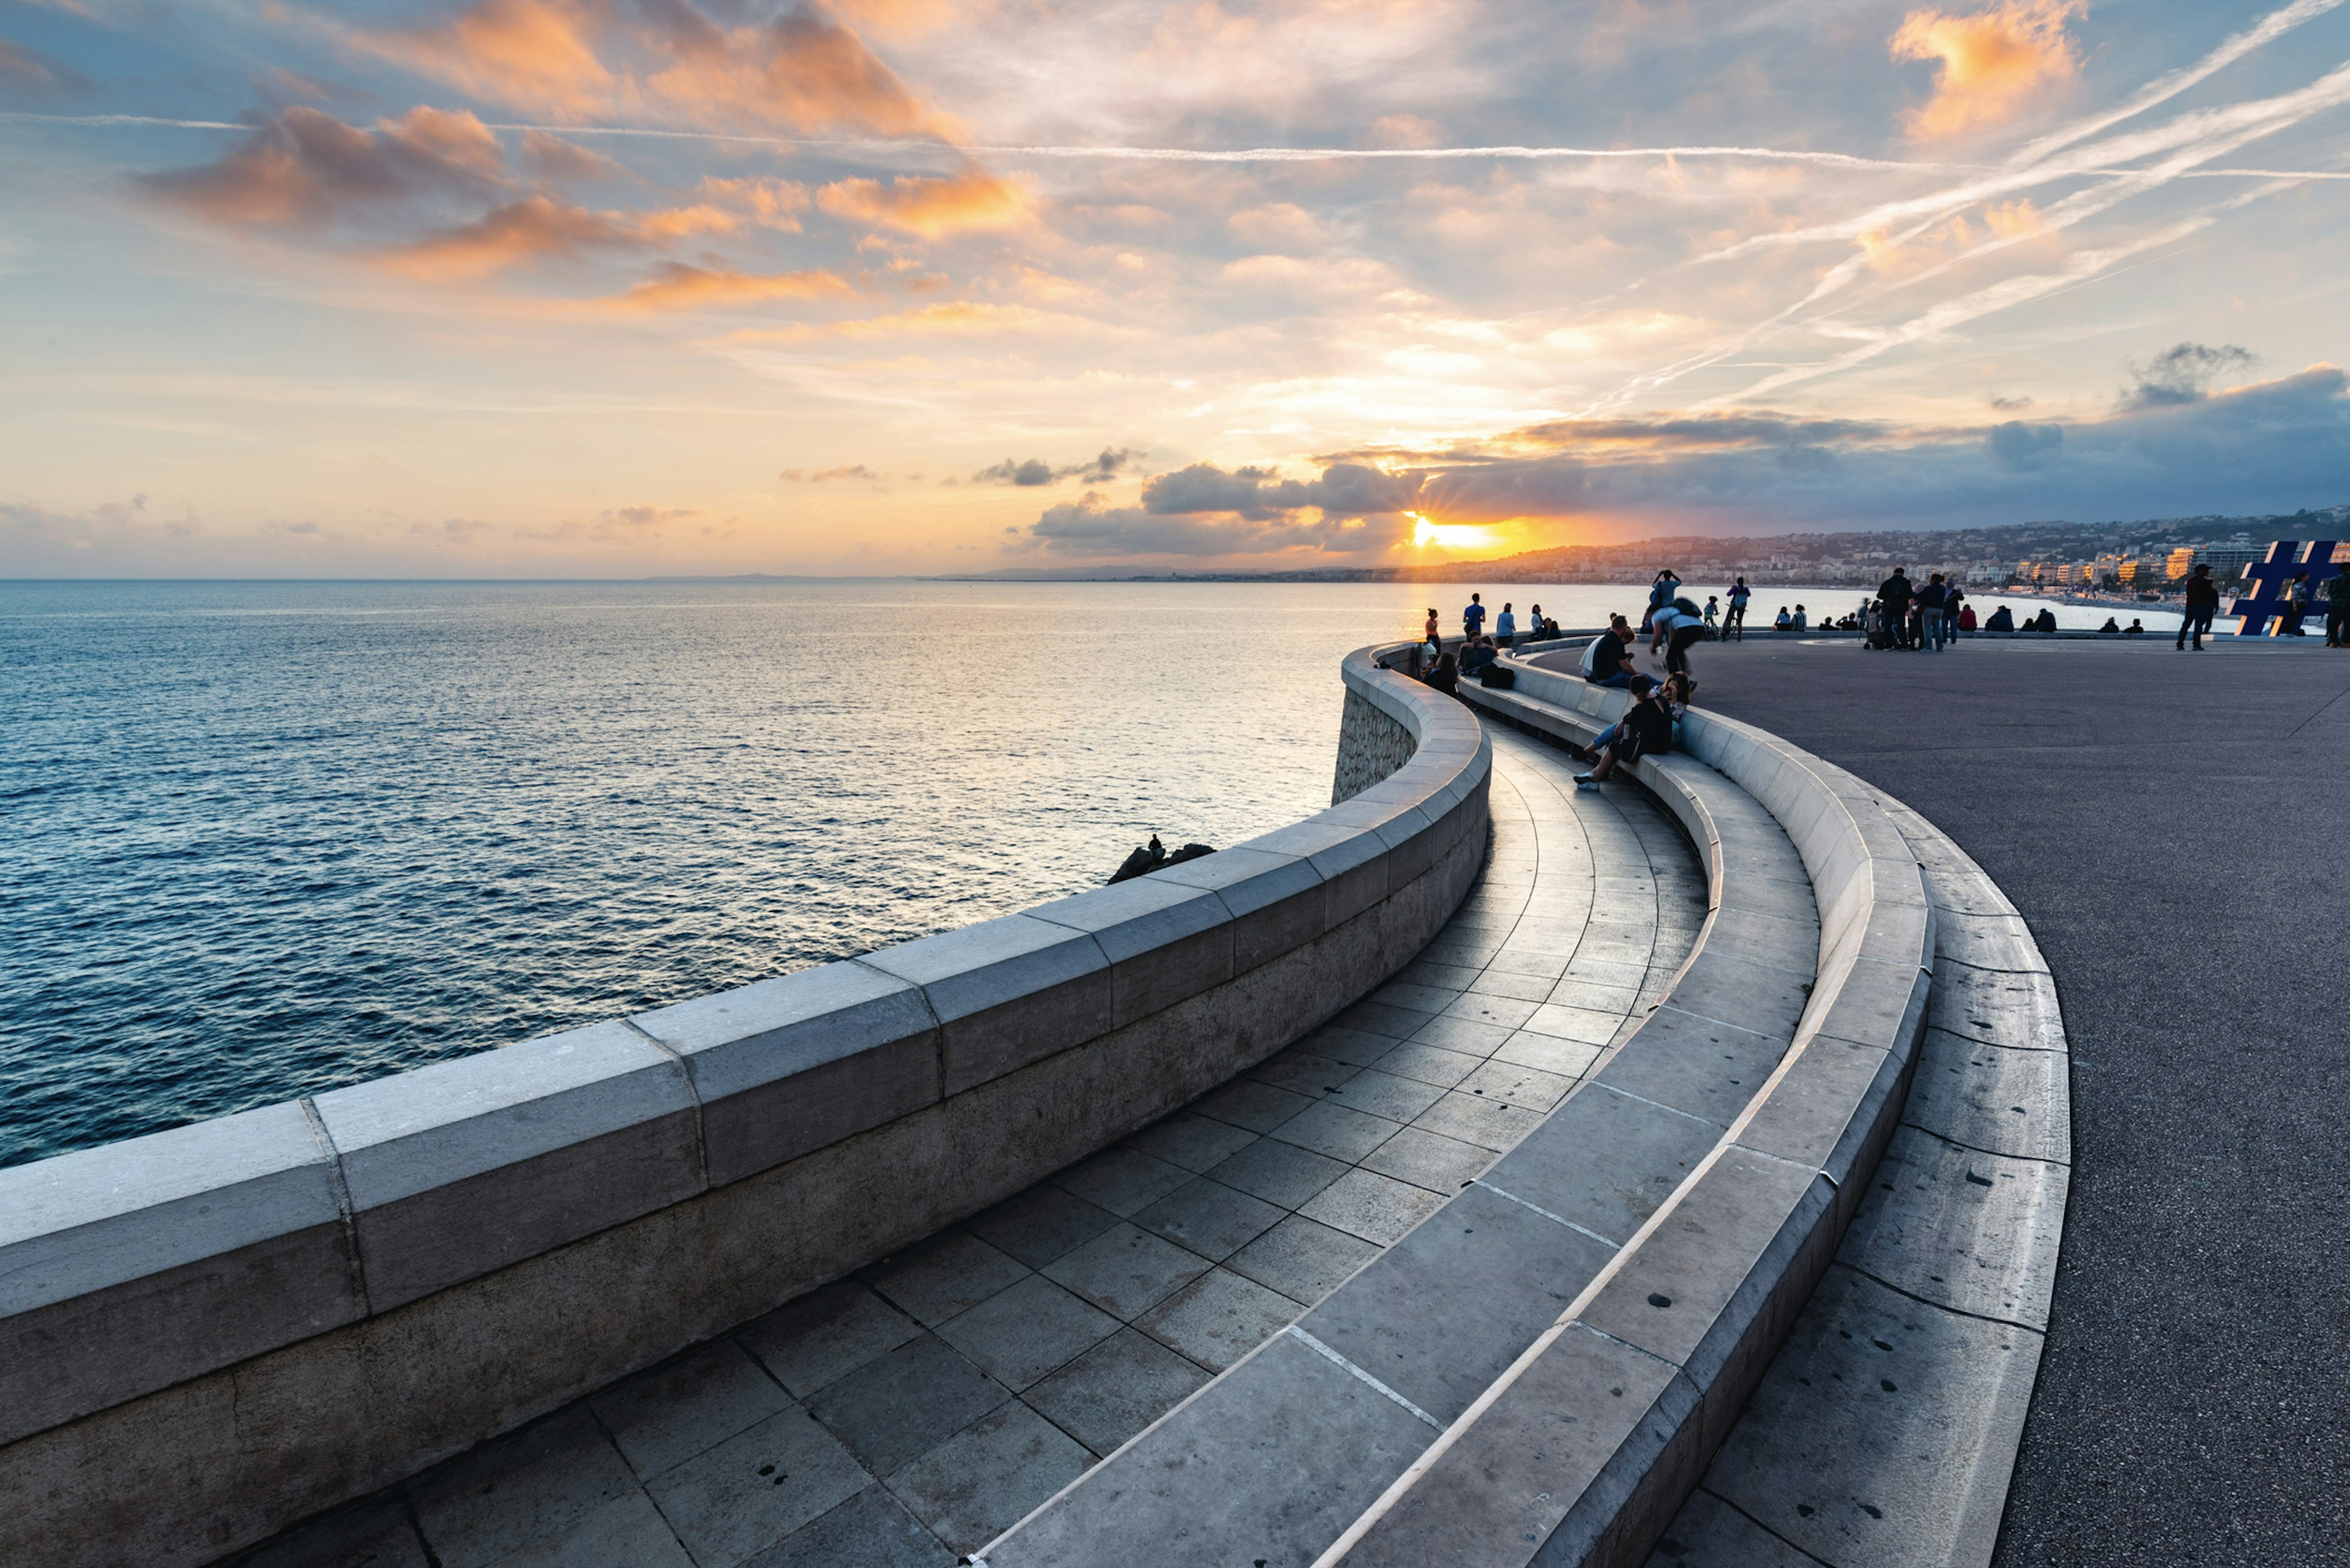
(1190, 852)
(1135, 865)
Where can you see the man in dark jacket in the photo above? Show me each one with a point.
(2202, 604)
(1895, 593)
(2338, 609)
(1930, 599)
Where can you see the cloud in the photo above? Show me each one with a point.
(804, 476)
(770, 203)
(552, 158)
(34, 74)
(304, 167)
(1088, 526)
(1990, 61)
(532, 229)
(930, 208)
(2182, 373)
(581, 59)
(962, 318)
(1035, 471)
(674, 286)
(2018, 445)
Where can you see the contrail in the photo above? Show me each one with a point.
(1143, 154)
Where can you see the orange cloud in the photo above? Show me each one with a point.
(931, 208)
(539, 228)
(1990, 61)
(306, 167)
(771, 203)
(963, 318)
(576, 60)
(677, 286)
(2011, 220)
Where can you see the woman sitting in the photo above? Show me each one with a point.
(1646, 727)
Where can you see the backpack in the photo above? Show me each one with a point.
(1497, 677)
(1687, 607)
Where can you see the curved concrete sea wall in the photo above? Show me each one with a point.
(210, 1333)
(1539, 1372)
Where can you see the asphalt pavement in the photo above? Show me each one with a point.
(2173, 826)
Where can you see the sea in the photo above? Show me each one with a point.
(259, 840)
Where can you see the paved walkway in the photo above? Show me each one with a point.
(904, 1416)
(2171, 825)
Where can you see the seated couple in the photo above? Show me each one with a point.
(1646, 728)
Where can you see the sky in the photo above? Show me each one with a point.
(472, 288)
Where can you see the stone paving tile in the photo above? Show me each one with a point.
(1194, 1142)
(1568, 1058)
(1209, 1218)
(1018, 1336)
(1519, 1086)
(1302, 1259)
(1378, 1209)
(1461, 1034)
(907, 1403)
(1417, 998)
(1382, 1094)
(1280, 1173)
(1528, 962)
(755, 1488)
(1303, 1073)
(1579, 1025)
(950, 1273)
(1430, 1064)
(1518, 986)
(629, 1532)
(374, 1534)
(1127, 1271)
(510, 1493)
(1116, 1389)
(1473, 1118)
(1218, 1318)
(1355, 1047)
(1631, 976)
(1398, 1022)
(1484, 1008)
(826, 1335)
(1440, 1164)
(1042, 1223)
(1245, 1103)
(671, 1414)
(871, 1530)
(1332, 1129)
(1592, 996)
(980, 1482)
(1447, 976)
(1121, 1180)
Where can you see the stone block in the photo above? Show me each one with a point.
(1714, 1288)
(1710, 1533)
(1873, 1003)
(1698, 1065)
(1868, 1433)
(1444, 1312)
(756, 1487)
(1551, 1470)
(1760, 996)
(1006, 992)
(1302, 1259)
(1018, 1336)
(1116, 1389)
(1972, 1231)
(1988, 1096)
(1778, 942)
(984, 1478)
(1218, 1318)
(464, 1166)
(871, 1530)
(1832, 1109)
(1198, 1487)
(793, 1063)
(1165, 941)
(1276, 901)
(132, 1267)
(1605, 1160)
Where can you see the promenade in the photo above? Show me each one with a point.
(902, 1418)
(2171, 825)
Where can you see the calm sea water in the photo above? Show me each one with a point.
(259, 840)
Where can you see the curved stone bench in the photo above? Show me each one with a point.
(211, 1333)
(1541, 1370)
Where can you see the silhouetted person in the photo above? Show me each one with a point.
(1446, 676)
(2337, 610)
(1646, 727)
(1894, 593)
(2202, 604)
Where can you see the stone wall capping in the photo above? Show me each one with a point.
(1006, 992)
(1164, 942)
(786, 1066)
(459, 1168)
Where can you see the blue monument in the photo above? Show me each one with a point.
(2267, 579)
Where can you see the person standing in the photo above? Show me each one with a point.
(1895, 594)
(2202, 604)
(1954, 599)
(1505, 626)
(2337, 610)
(2296, 607)
(1434, 634)
(1736, 621)
(1660, 594)
(1929, 614)
(1472, 617)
